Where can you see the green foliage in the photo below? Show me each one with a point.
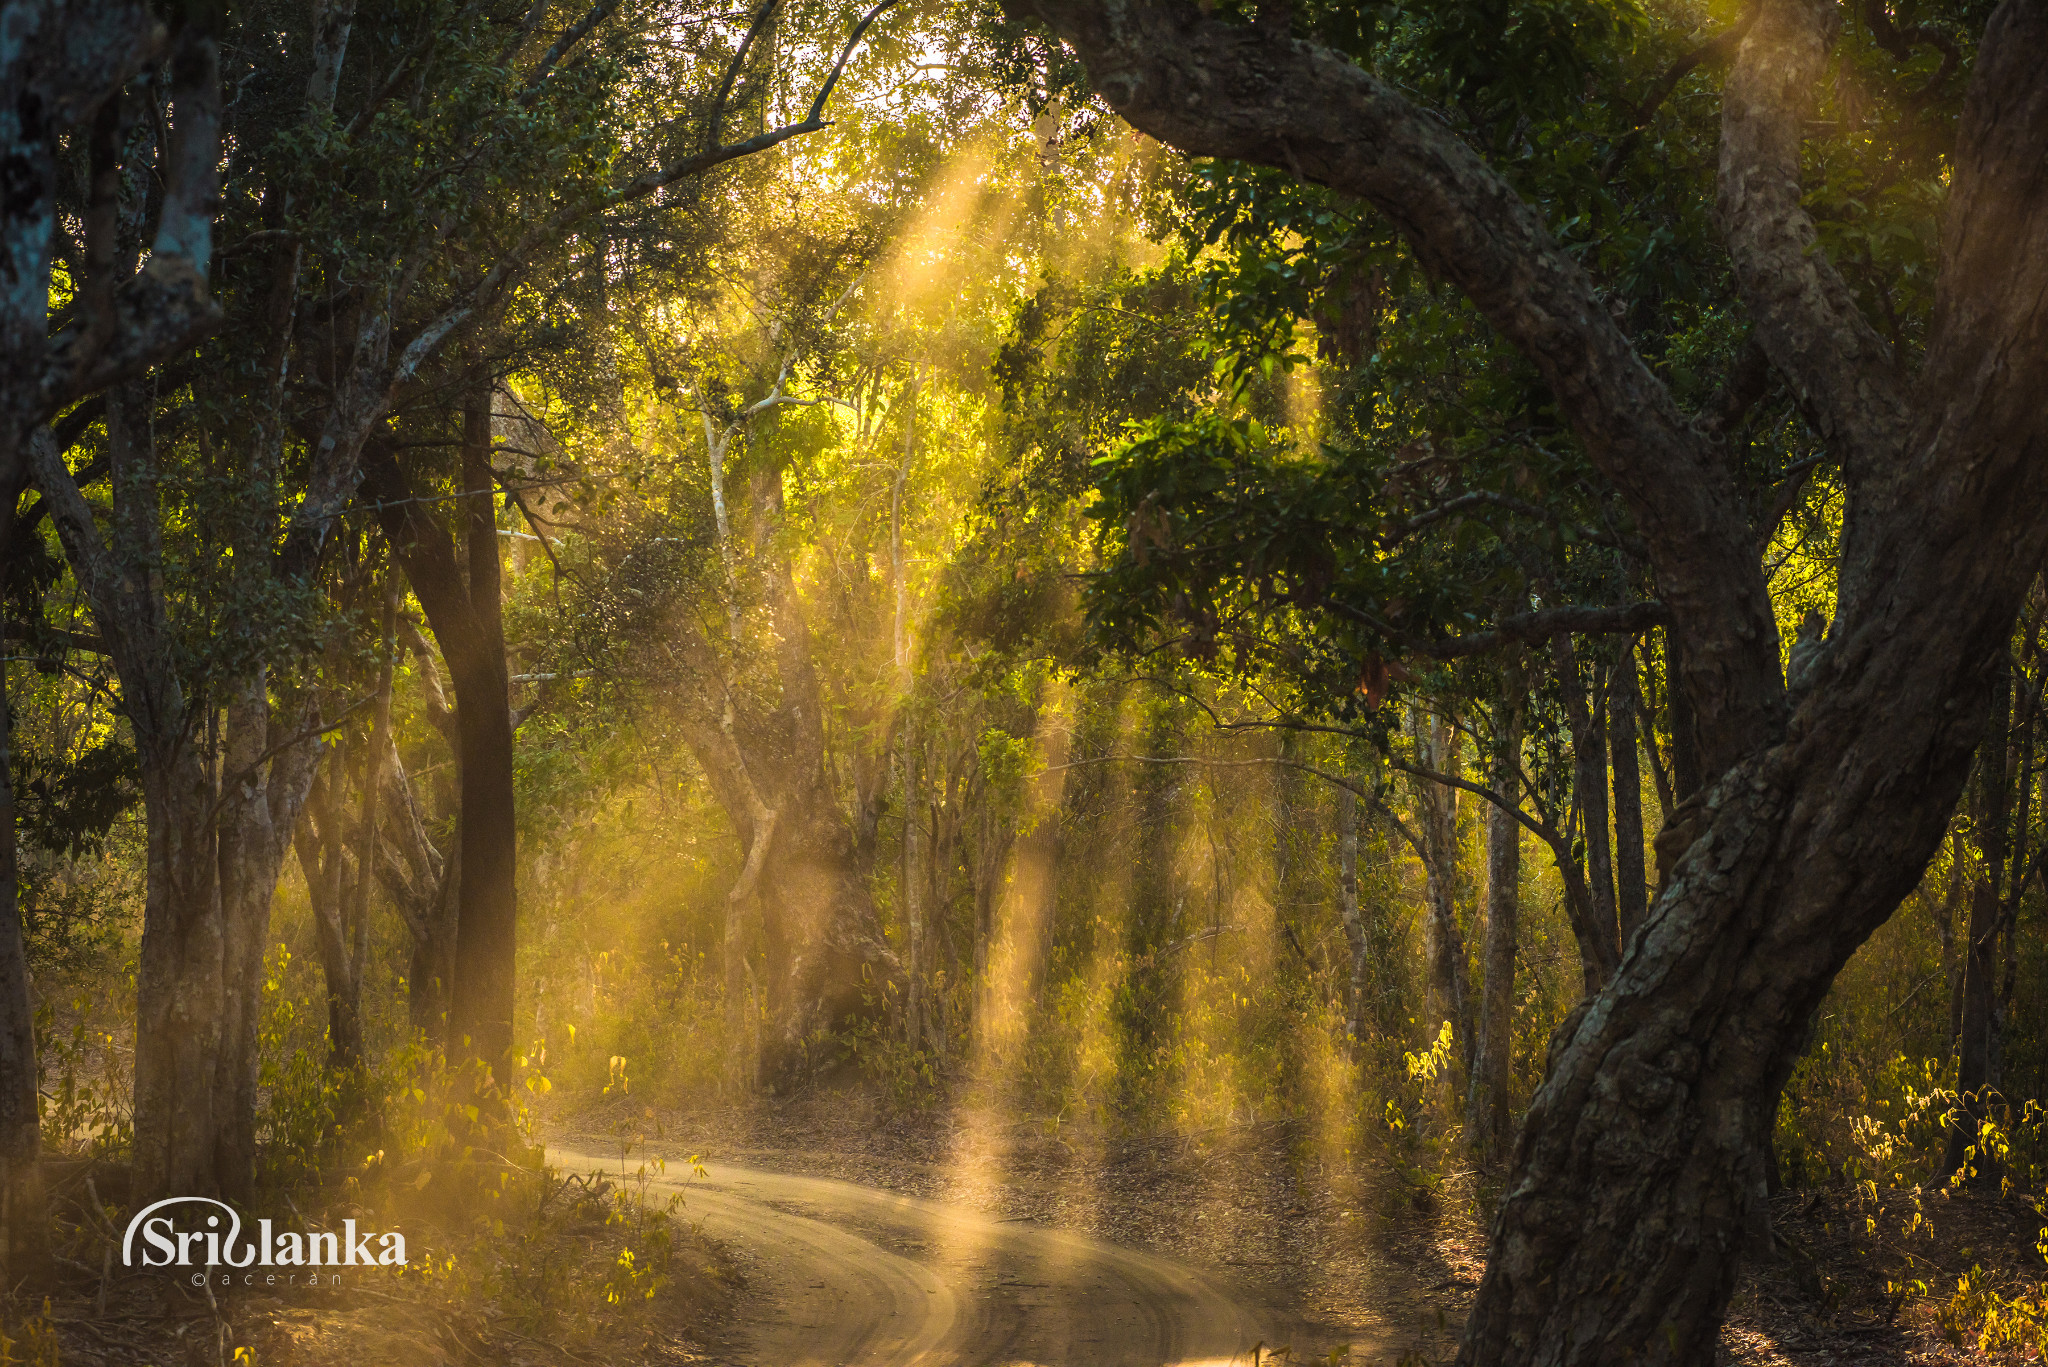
(83, 1083)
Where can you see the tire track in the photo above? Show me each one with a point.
(842, 1275)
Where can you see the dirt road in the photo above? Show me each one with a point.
(851, 1276)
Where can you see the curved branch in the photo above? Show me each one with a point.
(1214, 88)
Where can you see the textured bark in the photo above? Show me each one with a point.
(257, 808)
(1486, 1107)
(1635, 1182)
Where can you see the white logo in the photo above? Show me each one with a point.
(167, 1245)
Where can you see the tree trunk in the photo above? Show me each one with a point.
(911, 888)
(1447, 990)
(1685, 746)
(1596, 921)
(487, 907)
(1352, 916)
(467, 621)
(828, 963)
(214, 845)
(1486, 1109)
(1585, 707)
(256, 812)
(355, 919)
(432, 968)
(1951, 963)
(995, 836)
(24, 1214)
(418, 880)
(323, 859)
(1632, 892)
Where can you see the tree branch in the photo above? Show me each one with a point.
(1214, 88)
(1530, 628)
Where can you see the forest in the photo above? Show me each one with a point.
(1023, 682)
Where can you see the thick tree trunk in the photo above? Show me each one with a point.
(1486, 1109)
(486, 899)
(179, 986)
(213, 845)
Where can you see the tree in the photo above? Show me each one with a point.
(63, 70)
(1636, 1179)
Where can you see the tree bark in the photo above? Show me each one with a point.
(420, 882)
(213, 845)
(1448, 992)
(1486, 1108)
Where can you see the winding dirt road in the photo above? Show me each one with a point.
(851, 1276)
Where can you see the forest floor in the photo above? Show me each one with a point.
(1316, 1259)
(1338, 1254)
(815, 1215)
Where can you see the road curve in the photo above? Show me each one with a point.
(842, 1275)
